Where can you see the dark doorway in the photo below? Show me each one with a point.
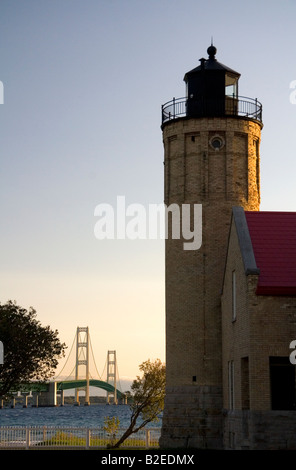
(282, 383)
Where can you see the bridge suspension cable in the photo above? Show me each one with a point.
(118, 381)
(92, 352)
(60, 373)
(104, 370)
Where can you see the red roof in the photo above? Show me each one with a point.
(273, 236)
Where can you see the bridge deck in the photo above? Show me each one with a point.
(67, 385)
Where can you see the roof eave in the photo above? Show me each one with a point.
(211, 64)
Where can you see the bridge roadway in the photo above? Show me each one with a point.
(51, 388)
(68, 384)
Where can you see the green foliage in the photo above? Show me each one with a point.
(111, 426)
(148, 394)
(31, 351)
(148, 391)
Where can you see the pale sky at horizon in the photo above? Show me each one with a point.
(80, 125)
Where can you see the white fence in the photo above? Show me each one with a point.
(65, 437)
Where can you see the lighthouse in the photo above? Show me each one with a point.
(211, 140)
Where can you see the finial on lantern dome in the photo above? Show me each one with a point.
(212, 51)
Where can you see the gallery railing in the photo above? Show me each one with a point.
(229, 106)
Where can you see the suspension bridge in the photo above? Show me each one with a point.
(79, 377)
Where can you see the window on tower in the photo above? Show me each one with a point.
(217, 142)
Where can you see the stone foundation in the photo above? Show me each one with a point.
(260, 430)
(192, 417)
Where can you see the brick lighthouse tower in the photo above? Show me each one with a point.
(211, 155)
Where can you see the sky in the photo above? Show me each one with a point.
(84, 81)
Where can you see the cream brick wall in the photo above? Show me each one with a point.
(196, 173)
(235, 334)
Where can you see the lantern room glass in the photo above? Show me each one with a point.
(231, 85)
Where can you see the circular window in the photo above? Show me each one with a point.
(217, 142)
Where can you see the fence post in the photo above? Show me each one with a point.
(44, 433)
(147, 439)
(27, 438)
(87, 439)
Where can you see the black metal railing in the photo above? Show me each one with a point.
(229, 106)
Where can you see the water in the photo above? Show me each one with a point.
(68, 415)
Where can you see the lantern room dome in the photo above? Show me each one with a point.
(211, 64)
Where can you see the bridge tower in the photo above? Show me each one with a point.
(111, 376)
(82, 359)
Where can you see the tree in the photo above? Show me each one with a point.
(111, 426)
(148, 394)
(31, 351)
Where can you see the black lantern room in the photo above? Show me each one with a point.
(211, 91)
(212, 88)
